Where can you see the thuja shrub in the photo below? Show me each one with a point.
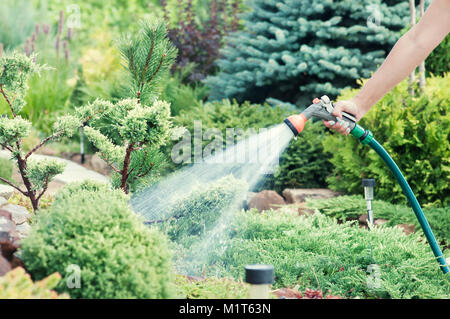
(319, 253)
(415, 131)
(91, 226)
(351, 207)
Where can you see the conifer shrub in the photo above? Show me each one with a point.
(351, 207)
(197, 213)
(293, 50)
(415, 131)
(91, 226)
(317, 252)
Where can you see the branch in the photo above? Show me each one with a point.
(7, 147)
(7, 100)
(147, 171)
(147, 61)
(158, 68)
(115, 169)
(43, 190)
(42, 143)
(12, 185)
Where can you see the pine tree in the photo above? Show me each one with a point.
(129, 132)
(293, 50)
(15, 69)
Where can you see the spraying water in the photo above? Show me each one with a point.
(247, 160)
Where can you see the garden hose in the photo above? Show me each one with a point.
(323, 108)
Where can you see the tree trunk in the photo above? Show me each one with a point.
(22, 165)
(422, 80)
(412, 11)
(126, 166)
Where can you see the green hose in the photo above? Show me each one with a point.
(366, 137)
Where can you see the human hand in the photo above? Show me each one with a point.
(341, 126)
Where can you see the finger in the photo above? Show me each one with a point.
(327, 123)
(338, 108)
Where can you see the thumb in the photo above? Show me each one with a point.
(339, 107)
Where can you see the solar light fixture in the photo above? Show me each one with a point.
(369, 185)
(260, 277)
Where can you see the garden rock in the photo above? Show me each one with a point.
(9, 239)
(98, 164)
(363, 219)
(265, 200)
(3, 201)
(23, 230)
(19, 214)
(379, 222)
(407, 229)
(6, 191)
(300, 195)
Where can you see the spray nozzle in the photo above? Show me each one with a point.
(321, 108)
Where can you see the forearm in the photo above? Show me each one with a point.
(401, 61)
(409, 51)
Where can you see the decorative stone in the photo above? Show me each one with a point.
(6, 191)
(265, 200)
(98, 164)
(23, 230)
(19, 214)
(300, 195)
(407, 229)
(363, 219)
(379, 222)
(3, 201)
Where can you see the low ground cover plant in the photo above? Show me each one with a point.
(90, 226)
(318, 253)
(351, 207)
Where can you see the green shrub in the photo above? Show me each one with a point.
(351, 207)
(91, 225)
(316, 252)
(17, 284)
(211, 288)
(6, 169)
(197, 213)
(438, 63)
(415, 131)
(303, 164)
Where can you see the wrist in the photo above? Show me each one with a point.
(362, 106)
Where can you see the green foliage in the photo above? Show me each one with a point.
(92, 226)
(211, 288)
(317, 252)
(438, 61)
(140, 123)
(41, 171)
(303, 164)
(295, 50)
(196, 214)
(15, 70)
(148, 58)
(17, 284)
(415, 131)
(6, 169)
(182, 96)
(17, 19)
(351, 207)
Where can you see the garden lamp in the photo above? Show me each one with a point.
(369, 185)
(260, 277)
